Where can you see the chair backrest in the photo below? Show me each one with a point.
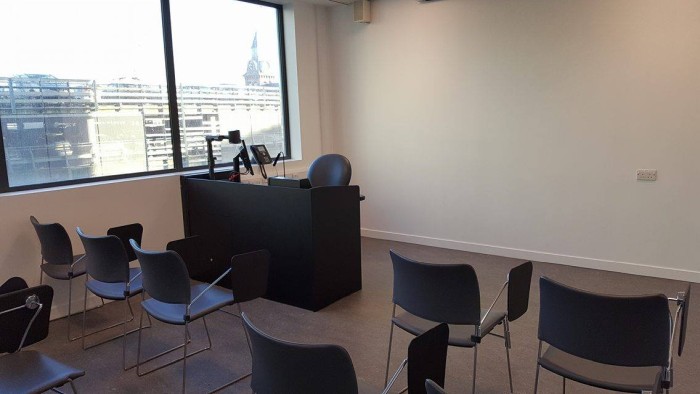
(292, 368)
(445, 293)
(249, 272)
(433, 388)
(125, 233)
(427, 357)
(330, 170)
(190, 250)
(165, 276)
(519, 279)
(684, 322)
(56, 247)
(618, 330)
(107, 261)
(14, 324)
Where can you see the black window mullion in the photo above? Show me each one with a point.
(4, 177)
(172, 85)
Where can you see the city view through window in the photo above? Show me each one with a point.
(83, 89)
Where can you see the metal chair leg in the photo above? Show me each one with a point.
(184, 359)
(391, 337)
(506, 336)
(537, 371)
(70, 302)
(563, 385)
(250, 349)
(476, 349)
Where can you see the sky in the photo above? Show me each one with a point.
(108, 39)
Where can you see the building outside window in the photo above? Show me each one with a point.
(78, 101)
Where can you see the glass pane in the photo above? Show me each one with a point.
(82, 89)
(227, 68)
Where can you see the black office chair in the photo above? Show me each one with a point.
(109, 277)
(175, 301)
(433, 388)
(24, 320)
(619, 343)
(427, 357)
(249, 273)
(57, 259)
(330, 170)
(437, 293)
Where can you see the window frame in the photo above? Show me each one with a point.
(173, 114)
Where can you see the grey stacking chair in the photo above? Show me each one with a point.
(109, 277)
(174, 300)
(24, 320)
(449, 293)
(330, 170)
(293, 368)
(57, 259)
(433, 388)
(621, 343)
(249, 273)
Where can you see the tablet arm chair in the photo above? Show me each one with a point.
(621, 343)
(109, 277)
(249, 274)
(449, 293)
(175, 301)
(24, 320)
(294, 368)
(427, 357)
(57, 259)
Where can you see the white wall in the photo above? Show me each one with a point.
(154, 202)
(516, 127)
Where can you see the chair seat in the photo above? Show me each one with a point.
(610, 377)
(460, 334)
(60, 271)
(115, 291)
(212, 300)
(32, 372)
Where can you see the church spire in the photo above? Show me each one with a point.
(254, 47)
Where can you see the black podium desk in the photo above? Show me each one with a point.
(312, 234)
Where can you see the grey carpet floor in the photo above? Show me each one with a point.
(360, 323)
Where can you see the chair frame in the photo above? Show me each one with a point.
(35, 222)
(476, 338)
(187, 338)
(667, 376)
(33, 302)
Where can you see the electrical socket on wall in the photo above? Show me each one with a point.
(646, 175)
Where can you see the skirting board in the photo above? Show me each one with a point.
(545, 257)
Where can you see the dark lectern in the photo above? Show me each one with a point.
(312, 234)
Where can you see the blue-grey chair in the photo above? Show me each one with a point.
(449, 293)
(621, 343)
(109, 277)
(24, 320)
(174, 300)
(57, 259)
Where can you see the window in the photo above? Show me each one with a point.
(86, 86)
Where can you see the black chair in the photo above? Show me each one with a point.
(24, 320)
(175, 301)
(433, 388)
(427, 357)
(57, 259)
(109, 277)
(619, 343)
(330, 170)
(249, 273)
(437, 293)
